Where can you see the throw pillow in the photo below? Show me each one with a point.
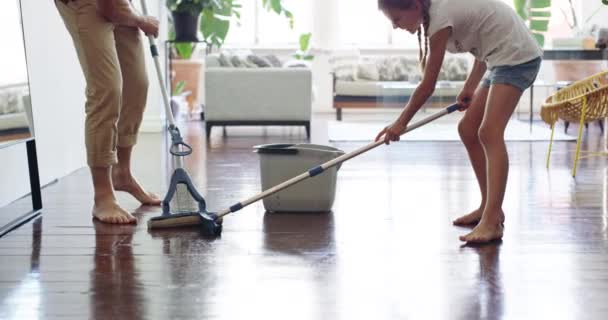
(385, 72)
(237, 62)
(259, 61)
(368, 71)
(225, 60)
(274, 60)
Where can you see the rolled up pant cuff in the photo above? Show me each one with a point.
(102, 160)
(127, 140)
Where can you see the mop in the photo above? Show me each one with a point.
(187, 201)
(209, 222)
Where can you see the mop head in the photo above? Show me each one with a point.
(184, 206)
(208, 223)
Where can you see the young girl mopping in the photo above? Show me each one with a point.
(501, 43)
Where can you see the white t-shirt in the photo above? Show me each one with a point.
(488, 29)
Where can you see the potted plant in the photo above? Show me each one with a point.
(186, 15)
(304, 52)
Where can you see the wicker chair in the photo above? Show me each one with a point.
(583, 101)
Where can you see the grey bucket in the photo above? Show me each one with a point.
(281, 162)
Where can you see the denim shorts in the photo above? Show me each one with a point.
(520, 76)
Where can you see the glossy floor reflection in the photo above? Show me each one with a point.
(388, 250)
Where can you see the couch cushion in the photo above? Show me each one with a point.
(368, 71)
(344, 64)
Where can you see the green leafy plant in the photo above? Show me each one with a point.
(537, 14)
(216, 19)
(304, 52)
(179, 88)
(277, 7)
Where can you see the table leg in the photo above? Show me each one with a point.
(531, 105)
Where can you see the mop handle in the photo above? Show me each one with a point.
(320, 169)
(154, 50)
(178, 147)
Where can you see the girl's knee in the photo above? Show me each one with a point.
(467, 131)
(489, 135)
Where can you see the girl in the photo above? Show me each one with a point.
(501, 43)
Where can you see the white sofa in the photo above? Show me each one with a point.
(257, 96)
(389, 81)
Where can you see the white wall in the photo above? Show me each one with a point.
(154, 117)
(57, 88)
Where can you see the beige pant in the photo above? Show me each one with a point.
(112, 60)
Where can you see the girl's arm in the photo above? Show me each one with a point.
(470, 85)
(479, 69)
(437, 46)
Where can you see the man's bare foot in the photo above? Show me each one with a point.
(110, 212)
(124, 181)
(469, 219)
(486, 230)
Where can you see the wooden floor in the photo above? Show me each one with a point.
(388, 250)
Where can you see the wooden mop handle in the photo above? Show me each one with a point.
(320, 169)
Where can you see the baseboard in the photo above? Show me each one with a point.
(152, 124)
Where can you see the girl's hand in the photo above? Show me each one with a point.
(464, 98)
(392, 132)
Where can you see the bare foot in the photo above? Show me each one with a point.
(469, 219)
(484, 232)
(124, 181)
(110, 212)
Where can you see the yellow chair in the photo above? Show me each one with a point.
(583, 101)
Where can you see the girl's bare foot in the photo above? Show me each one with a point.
(488, 229)
(124, 181)
(110, 212)
(469, 219)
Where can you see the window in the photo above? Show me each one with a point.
(13, 67)
(274, 29)
(244, 34)
(261, 27)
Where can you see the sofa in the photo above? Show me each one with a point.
(245, 89)
(387, 81)
(15, 113)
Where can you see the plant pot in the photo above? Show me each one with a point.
(188, 71)
(186, 26)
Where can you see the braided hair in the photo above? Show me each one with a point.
(408, 4)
